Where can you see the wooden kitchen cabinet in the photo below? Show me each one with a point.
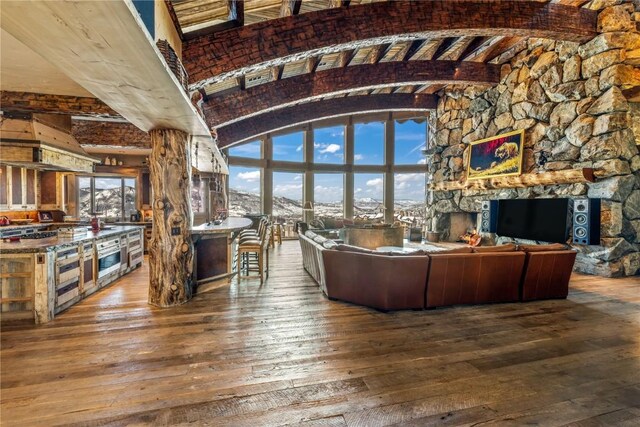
(16, 286)
(19, 188)
(4, 200)
(52, 190)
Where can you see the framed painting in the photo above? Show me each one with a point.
(500, 155)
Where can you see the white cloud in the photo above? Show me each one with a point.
(377, 182)
(331, 148)
(249, 176)
(282, 189)
(297, 177)
(422, 161)
(405, 177)
(358, 157)
(358, 190)
(299, 147)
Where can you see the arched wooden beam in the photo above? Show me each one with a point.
(302, 113)
(225, 109)
(55, 104)
(215, 57)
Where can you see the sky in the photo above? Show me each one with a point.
(329, 148)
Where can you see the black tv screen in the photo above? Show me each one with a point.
(534, 219)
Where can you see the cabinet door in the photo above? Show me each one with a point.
(30, 190)
(16, 188)
(4, 182)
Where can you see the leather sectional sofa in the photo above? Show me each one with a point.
(395, 281)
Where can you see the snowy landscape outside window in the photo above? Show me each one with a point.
(113, 198)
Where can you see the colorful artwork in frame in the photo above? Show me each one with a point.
(500, 155)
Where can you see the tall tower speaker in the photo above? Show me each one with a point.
(586, 221)
(489, 216)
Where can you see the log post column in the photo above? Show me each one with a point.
(171, 247)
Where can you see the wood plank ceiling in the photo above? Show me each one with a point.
(197, 17)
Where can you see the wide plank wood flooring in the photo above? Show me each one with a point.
(282, 354)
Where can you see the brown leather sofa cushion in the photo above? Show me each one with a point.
(547, 274)
(474, 278)
(509, 247)
(543, 248)
(378, 281)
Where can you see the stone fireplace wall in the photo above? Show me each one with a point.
(571, 101)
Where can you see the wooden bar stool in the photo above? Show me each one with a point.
(253, 255)
(276, 234)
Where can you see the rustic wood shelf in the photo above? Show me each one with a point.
(568, 176)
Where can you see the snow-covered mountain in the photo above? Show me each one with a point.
(241, 202)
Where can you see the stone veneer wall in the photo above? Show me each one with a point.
(570, 100)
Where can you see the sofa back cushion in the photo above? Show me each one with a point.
(510, 247)
(350, 248)
(474, 278)
(378, 281)
(544, 248)
(460, 250)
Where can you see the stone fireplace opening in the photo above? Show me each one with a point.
(453, 225)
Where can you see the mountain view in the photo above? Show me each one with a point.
(410, 212)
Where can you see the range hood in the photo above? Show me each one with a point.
(42, 142)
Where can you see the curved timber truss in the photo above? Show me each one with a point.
(269, 75)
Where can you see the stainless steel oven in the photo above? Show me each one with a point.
(108, 257)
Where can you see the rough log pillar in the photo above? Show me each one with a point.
(171, 247)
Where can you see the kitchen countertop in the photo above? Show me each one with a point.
(53, 243)
(229, 225)
(21, 226)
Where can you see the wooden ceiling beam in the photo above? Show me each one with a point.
(378, 52)
(55, 104)
(290, 7)
(346, 56)
(413, 48)
(473, 47)
(215, 57)
(221, 110)
(302, 113)
(444, 47)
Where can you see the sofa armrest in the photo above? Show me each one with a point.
(379, 281)
(546, 275)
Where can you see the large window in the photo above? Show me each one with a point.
(244, 190)
(288, 147)
(368, 141)
(287, 197)
(368, 196)
(249, 149)
(409, 200)
(329, 195)
(198, 196)
(113, 198)
(411, 138)
(85, 199)
(328, 146)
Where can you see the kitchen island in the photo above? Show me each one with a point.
(42, 277)
(214, 252)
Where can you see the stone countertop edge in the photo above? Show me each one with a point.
(53, 243)
(229, 225)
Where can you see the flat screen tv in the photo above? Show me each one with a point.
(545, 220)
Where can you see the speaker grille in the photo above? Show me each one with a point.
(581, 219)
(580, 232)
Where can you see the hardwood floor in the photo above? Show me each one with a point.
(281, 353)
